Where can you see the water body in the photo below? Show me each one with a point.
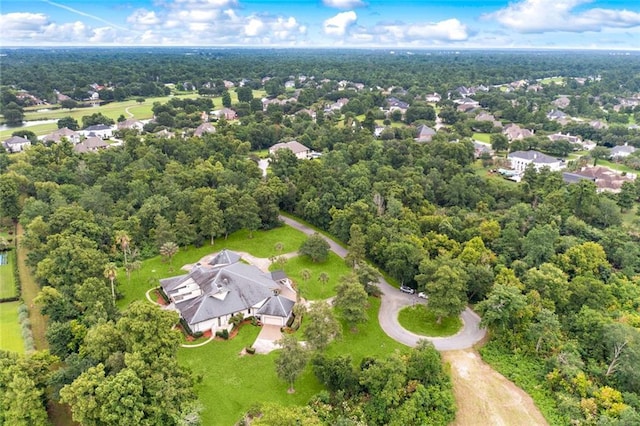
(26, 124)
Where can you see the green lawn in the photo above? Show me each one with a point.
(7, 282)
(482, 137)
(261, 245)
(10, 335)
(616, 166)
(314, 289)
(420, 320)
(231, 383)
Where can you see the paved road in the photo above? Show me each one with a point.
(393, 300)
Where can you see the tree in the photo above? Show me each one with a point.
(627, 196)
(305, 274)
(447, 292)
(322, 326)
(168, 250)
(291, 361)
(316, 247)
(68, 122)
(351, 299)
(211, 218)
(226, 99)
(163, 231)
(9, 197)
(96, 118)
(110, 272)
(245, 94)
(185, 231)
(323, 277)
(357, 249)
(598, 153)
(124, 240)
(68, 104)
(499, 142)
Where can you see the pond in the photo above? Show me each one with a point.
(26, 124)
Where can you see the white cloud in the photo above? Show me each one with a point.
(339, 24)
(534, 16)
(449, 30)
(14, 24)
(254, 27)
(204, 4)
(343, 4)
(143, 17)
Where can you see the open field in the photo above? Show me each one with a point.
(482, 137)
(7, 282)
(486, 397)
(418, 319)
(10, 335)
(314, 289)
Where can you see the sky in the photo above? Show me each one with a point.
(410, 24)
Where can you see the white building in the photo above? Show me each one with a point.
(521, 159)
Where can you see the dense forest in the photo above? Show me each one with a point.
(552, 268)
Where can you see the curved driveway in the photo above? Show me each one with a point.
(393, 300)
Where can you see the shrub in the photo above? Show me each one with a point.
(223, 334)
(250, 350)
(197, 334)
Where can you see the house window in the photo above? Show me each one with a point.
(219, 323)
(249, 311)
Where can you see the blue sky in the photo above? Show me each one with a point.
(410, 24)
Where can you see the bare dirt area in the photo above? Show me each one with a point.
(486, 397)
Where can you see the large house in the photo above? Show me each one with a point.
(91, 144)
(210, 295)
(16, 144)
(515, 132)
(56, 136)
(622, 151)
(424, 133)
(300, 151)
(521, 159)
(99, 130)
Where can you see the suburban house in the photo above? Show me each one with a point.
(65, 132)
(100, 130)
(300, 151)
(559, 137)
(433, 97)
(485, 116)
(91, 144)
(521, 159)
(130, 123)
(226, 113)
(606, 180)
(622, 151)
(515, 132)
(424, 134)
(562, 102)
(211, 294)
(481, 148)
(16, 144)
(557, 115)
(204, 128)
(397, 104)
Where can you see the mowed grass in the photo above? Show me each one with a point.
(10, 335)
(482, 137)
(232, 383)
(7, 281)
(261, 245)
(313, 288)
(420, 320)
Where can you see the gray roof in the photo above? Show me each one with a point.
(228, 287)
(295, 146)
(277, 306)
(622, 149)
(575, 178)
(278, 275)
(535, 156)
(16, 140)
(97, 127)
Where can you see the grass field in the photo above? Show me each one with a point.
(10, 335)
(7, 282)
(314, 289)
(482, 137)
(420, 320)
(231, 383)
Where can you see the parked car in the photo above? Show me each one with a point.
(422, 295)
(406, 289)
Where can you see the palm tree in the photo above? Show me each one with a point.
(305, 274)
(110, 272)
(133, 266)
(168, 250)
(124, 240)
(279, 246)
(323, 277)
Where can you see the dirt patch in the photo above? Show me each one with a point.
(486, 397)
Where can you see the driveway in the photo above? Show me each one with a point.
(393, 300)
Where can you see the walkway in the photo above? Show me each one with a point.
(393, 300)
